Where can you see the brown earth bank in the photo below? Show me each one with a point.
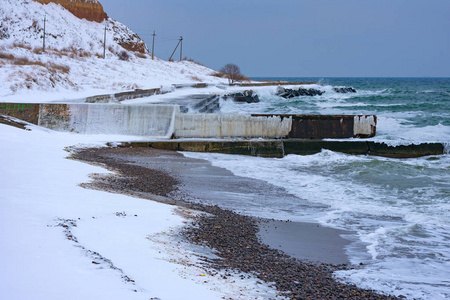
(90, 10)
(234, 236)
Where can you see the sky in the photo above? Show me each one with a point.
(298, 38)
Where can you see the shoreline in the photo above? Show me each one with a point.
(233, 236)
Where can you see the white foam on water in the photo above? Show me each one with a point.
(231, 107)
(398, 208)
(447, 148)
(397, 131)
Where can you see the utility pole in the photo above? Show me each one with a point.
(181, 40)
(104, 45)
(181, 47)
(153, 45)
(43, 45)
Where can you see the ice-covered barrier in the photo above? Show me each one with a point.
(220, 126)
(152, 121)
(364, 125)
(166, 121)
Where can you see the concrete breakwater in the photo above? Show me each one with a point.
(281, 147)
(117, 97)
(137, 93)
(166, 121)
(282, 134)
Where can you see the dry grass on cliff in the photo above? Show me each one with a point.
(23, 61)
(8, 56)
(141, 55)
(193, 61)
(195, 78)
(72, 51)
(21, 45)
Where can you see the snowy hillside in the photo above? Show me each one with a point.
(72, 65)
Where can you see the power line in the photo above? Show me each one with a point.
(164, 37)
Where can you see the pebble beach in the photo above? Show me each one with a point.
(233, 236)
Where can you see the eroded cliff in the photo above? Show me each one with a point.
(90, 10)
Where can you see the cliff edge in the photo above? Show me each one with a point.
(90, 10)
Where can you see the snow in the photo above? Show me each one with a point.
(59, 240)
(72, 66)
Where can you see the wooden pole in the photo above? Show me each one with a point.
(181, 47)
(153, 45)
(175, 49)
(43, 45)
(104, 45)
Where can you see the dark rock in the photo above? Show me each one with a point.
(211, 104)
(244, 97)
(291, 93)
(344, 90)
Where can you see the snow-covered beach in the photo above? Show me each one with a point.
(42, 204)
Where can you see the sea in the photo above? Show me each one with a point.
(397, 210)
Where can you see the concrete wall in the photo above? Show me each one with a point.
(221, 126)
(152, 121)
(23, 111)
(166, 121)
(331, 126)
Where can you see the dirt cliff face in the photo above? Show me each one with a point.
(90, 10)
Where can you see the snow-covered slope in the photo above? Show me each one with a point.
(72, 65)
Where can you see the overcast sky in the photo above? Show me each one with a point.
(299, 38)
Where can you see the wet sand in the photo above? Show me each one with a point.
(306, 241)
(310, 253)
